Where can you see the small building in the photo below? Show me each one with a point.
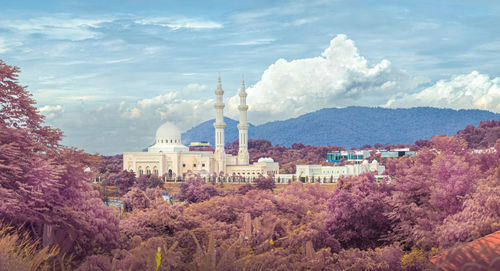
(199, 144)
(350, 156)
(329, 174)
(394, 153)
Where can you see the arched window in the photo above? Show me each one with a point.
(155, 171)
(148, 170)
(141, 172)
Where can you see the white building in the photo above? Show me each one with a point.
(329, 174)
(169, 157)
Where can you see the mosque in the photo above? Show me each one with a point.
(168, 156)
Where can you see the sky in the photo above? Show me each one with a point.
(108, 73)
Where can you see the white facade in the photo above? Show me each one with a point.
(329, 174)
(168, 157)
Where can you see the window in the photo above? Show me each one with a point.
(183, 165)
(203, 165)
(194, 165)
(156, 172)
(148, 171)
(162, 141)
(141, 172)
(170, 140)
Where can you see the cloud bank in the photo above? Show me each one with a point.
(466, 91)
(51, 111)
(339, 77)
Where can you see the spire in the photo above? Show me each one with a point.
(219, 90)
(242, 89)
(219, 84)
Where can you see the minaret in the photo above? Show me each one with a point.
(243, 157)
(219, 125)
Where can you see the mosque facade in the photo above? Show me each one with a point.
(169, 157)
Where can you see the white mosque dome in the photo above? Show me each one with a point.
(168, 133)
(168, 139)
(265, 160)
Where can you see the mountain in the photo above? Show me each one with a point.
(205, 132)
(352, 126)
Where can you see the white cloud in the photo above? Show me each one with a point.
(261, 41)
(301, 21)
(8, 45)
(179, 23)
(51, 111)
(339, 77)
(195, 87)
(467, 91)
(285, 9)
(60, 28)
(122, 60)
(184, 112)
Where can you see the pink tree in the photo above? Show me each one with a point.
(195, 189)
(356, 212)
(264, 183)
(135, 200)
(43, 186)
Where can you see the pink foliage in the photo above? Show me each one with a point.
(148, 181)
(136, 199)
(194, 189)
(43, 186)
(356, 212)
(264, 183)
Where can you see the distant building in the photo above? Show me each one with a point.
(394, 153)
(330, 174)
(199, 144)
(350, 156)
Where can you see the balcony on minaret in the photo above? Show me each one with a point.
(243, 126)
(219, 105)
(218, 125)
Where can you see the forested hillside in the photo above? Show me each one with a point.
(353, 126)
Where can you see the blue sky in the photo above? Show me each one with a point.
(110, 72)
